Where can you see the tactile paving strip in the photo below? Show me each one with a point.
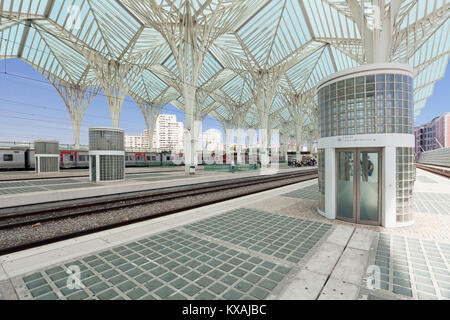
(21, 190)
(282, 237)
(414, 268)
(19, 187)
(48, 182)
(306, 193)
(170, 265)
(434, 203)
(13, 184)
(71, 186)
(148, 175)
(162, 178)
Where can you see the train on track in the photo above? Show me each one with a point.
(22, 158)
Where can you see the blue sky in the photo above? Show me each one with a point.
(439, 101)
(31, 109)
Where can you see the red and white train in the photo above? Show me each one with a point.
(16, 158)
(22, 158)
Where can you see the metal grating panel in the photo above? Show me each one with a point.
(46, 147)
(106, 139)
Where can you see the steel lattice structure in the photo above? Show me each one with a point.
(251, 63)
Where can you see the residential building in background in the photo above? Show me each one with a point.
(211, 140)
(442, 130)
(169, 133)
(137, 141)
(167, 136)
(433, 135)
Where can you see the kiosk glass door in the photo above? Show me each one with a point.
(346, 184)
(94, 168)
(359, 185)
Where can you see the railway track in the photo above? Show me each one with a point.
(445, 172)
(172, 199)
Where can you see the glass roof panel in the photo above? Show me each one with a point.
(10, 36)
(311, 38)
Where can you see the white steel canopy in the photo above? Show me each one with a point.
(251, 62)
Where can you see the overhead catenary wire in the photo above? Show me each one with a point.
(52, 89)
(181, 112)
(62, 109)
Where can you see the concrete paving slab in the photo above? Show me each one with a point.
(135, 233)
(340, 235)
(29, 263)
(306, 285)
(442, 185)
(361, 239)
(273, 204)
(351, 266)
(325, 259)
(339, 290)
(308, 193)
(3, 274)
(7, 291)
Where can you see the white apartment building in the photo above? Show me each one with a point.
(168, 135)
(211, 140)
(136, 142)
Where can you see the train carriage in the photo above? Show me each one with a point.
(22, 158)
(147, 159)
(74, 159)
(16, 159)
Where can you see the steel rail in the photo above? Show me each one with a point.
(445, 172)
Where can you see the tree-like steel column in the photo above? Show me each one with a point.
(76, 99)
(286, 138)
(377, 31)
(264, 88)
(190, 30)
(297, 109)
(239, 115)
(116, 78)
(313, 132)
(286, 132)
(226, 126)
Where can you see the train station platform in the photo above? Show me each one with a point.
(34, 191)
(270, 245)
(80, 173)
